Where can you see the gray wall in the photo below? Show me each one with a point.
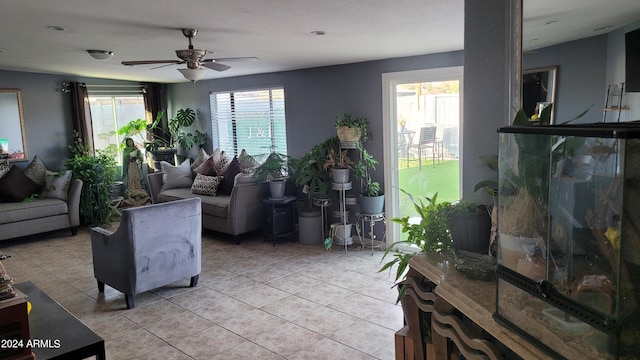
(315, 96)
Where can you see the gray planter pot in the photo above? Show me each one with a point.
(310, 228)
(371, 204)
(340, 175)
(276, 188)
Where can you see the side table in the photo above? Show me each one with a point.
(372, 219)
(279, 217)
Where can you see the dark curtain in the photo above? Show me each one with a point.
(154, 102)
(81, 113)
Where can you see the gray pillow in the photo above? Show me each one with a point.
(57, 184)
(176, 176)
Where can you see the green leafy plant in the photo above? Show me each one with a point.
(429, 234)
(176, 134)
(97, 172)
(276, 166)
(354, 122)
(362, 169)
(310, 171)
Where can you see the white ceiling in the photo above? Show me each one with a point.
(278, 32)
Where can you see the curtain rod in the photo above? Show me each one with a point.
(140, 87)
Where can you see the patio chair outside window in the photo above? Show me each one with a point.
(428, 141)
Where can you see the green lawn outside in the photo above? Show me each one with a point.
(444, 178)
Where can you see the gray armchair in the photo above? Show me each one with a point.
(155, 245)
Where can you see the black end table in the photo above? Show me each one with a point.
(64, 336)
(279, 217)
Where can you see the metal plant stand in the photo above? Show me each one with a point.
(372, 219)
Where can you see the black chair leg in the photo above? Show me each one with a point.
(129, 300)
(100, 286)
(194, 281)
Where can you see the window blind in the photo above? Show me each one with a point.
(251, 120)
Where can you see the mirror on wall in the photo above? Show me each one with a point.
(13, 138)
(538, 89)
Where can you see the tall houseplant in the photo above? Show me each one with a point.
(352, 129)
(98, 173)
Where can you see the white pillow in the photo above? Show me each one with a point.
(57, 184)
(176, 176)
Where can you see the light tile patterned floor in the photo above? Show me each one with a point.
(253, 301)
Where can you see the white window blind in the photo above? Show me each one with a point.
(251, 120)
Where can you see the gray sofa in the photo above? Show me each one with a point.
(41, 214)
(234, 214)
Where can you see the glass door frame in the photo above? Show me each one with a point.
(390, 133)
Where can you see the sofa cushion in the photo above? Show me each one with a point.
(36, 171)
(226, 185)
(211, 205)
(15, 186)
(38, 208)
(208, 167)
(176, 176)
(223, 163)
(202, 156)
(205, 185)
(57, 184)
(247, 162)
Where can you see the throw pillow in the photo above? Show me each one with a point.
(205, 185)
(247, 162)
(4, 168)
(16, 186)
(36, 171)
(202, 157)
(226, 185)
(223, 163)
(207, 168)
(176, 176)
(57, 184)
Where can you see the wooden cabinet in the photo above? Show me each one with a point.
(456, 313)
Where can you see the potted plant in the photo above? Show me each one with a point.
(470, 226)
(352, 129)
(275, 170)
(337, 161)
(97, 173)
(371, 196)
(429, 234)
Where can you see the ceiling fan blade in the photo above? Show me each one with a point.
(149, 62)
(238, 59)
(211, 64)
(168, 64)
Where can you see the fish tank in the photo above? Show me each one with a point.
(568, 273)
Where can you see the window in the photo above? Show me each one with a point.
(251, 120)
(110, 113)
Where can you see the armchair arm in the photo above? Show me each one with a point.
(113, 259)
(245, 208)
(73, 201)
(154, 181)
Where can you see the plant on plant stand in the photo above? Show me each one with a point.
(275, 170)
(338, 164)
(352, 129)
(371, 196)
(98, 173)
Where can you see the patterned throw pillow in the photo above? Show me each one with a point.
(205, 185)
(36, 171)
(247, 162)
(57, 184)
(4, 168)
(176, 176)
(223, 163)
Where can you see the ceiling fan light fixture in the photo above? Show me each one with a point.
(193, 74)
(101, 54)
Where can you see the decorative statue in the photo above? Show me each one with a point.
(135, 195)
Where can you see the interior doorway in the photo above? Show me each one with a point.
(422, 126)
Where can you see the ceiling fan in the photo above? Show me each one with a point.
(193, 58)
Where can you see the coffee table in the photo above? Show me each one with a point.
(51, 324)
